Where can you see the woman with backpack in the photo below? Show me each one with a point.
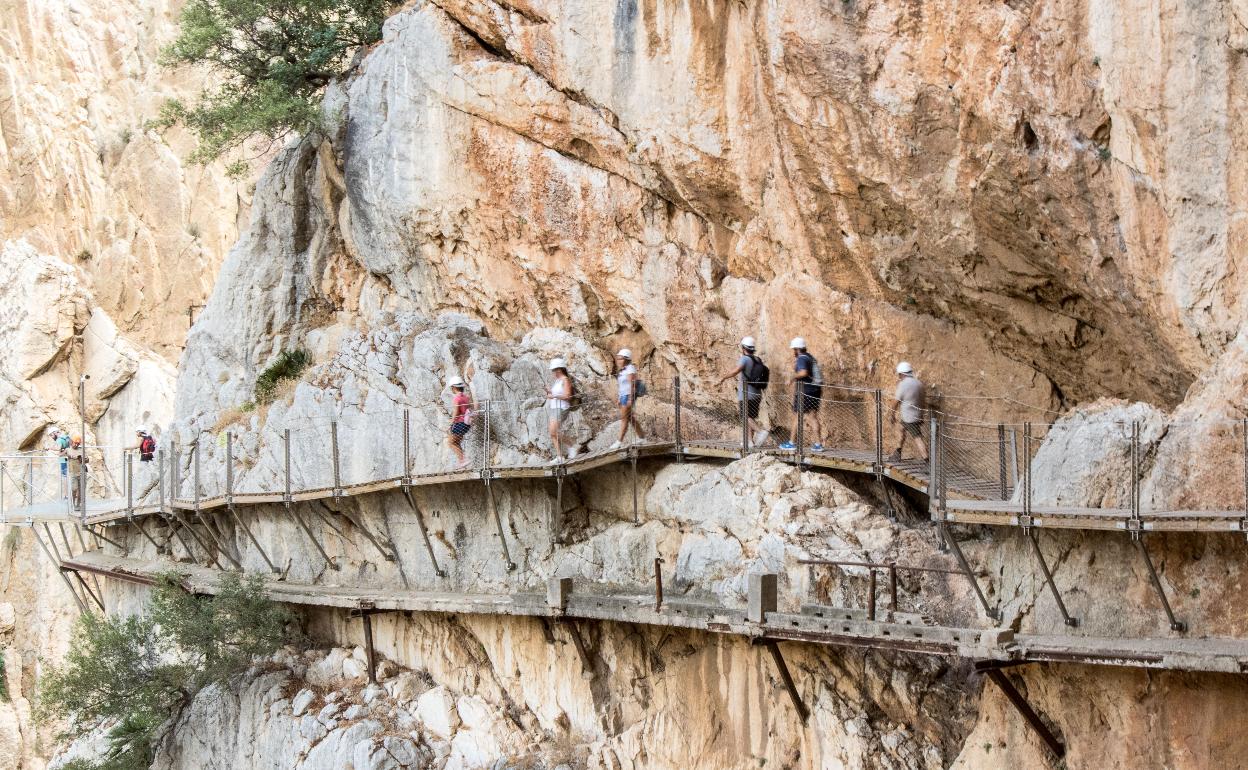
(629, 389)
(462, 408)
(559, 397)
(754, 375)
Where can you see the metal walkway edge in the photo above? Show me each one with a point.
(832, 626)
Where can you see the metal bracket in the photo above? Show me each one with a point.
(1016, 699)
(1048, 578)
(1175, 623)
(498, 521)
(424, 533)
(786, 678)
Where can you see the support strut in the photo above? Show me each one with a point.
(966, 568)
(1175, 623)
(1048, 578)
(56, 565)
(1016, 699)
(786, 678)
(424, 533)
(582, 652)
(303, 525)
(498, 522)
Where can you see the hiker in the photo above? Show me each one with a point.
(77, 459)
(911, 399)
(463, 406)
(630, 389)
(808, 386)
(559, 397)
(146, 445)
(754, 373)
(60, 441)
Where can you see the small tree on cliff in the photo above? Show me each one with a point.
(268, 63)
(130, 675)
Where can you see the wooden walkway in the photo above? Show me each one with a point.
(969, 500)
(816, 625)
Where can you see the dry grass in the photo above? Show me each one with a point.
(234, 415)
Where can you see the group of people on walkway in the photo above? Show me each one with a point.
(752, 377)
(74, 461)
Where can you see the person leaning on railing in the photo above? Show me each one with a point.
(749, 398)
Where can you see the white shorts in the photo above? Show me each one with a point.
(556, 413)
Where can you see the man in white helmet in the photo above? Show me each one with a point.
(808, 389)
(753, 372)
(911, 406)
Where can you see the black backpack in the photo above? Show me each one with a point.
(758, 375)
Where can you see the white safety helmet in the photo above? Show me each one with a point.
(747, 343)
(455, 382)
(142, 431)
(625, 353)
(798, 342)
(558, 363)
(905, 368)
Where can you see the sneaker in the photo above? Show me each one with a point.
(572, 453)
(557, 461)
(760, 437)
(615, 445)
(788, 446)
(816, 447)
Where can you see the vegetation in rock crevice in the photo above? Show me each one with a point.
(130, 675)
(288, 365)
(269, 63)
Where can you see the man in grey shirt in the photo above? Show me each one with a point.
(911, 406)
(751, 398)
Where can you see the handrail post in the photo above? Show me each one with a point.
(871, 588)
(286, 452)
(485, 438)
(333, 441)
(680, 444)
(229, 467)
(1243, 429)
(4, 471)
(933, 462)
(892, 586)
(744, 414)
(799, 400)
(30, 481)
(1135, 471)
(160, 476)
(173, 474)
(407, 447)
(879, 432)
(1005, 489)
(195, 480)
(944, 475)
(1027, 470)
(129, 473)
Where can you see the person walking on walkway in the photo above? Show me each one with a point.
(808, 387)
(77, 459)
(559, 397)
(911, 403)
(629, 388)
(753, 372)
(463, 407)
(61, 442)
(145, 445)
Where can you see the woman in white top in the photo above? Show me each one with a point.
(629, 389)
(558, 402)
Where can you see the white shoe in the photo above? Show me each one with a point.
(572, 453)
(616, 445)
(760, 437)
(557, 461)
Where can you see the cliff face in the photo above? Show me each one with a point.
(1028, 197)
(1043, 200)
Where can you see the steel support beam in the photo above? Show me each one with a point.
(786, 678)
(498, 521)
(966, 568)
(424, 532)
(1175, 623)
(1048, 577)
(56, 565)
(1016, 699)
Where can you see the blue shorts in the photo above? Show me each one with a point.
(460, 428)
(805, 403)
(624, 400)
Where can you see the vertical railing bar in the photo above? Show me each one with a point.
(333, 441)
(1005, 492)
(680, 446)
(1027, 469)
(743, 413)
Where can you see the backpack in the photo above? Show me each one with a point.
(639, 388)
(147, 448)
(758, 376)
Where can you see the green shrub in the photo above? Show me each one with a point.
(270, 63)
(288, 366)
(4, 683)
(133, 674)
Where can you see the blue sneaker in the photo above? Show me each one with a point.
(816, 447)
(788, 446)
